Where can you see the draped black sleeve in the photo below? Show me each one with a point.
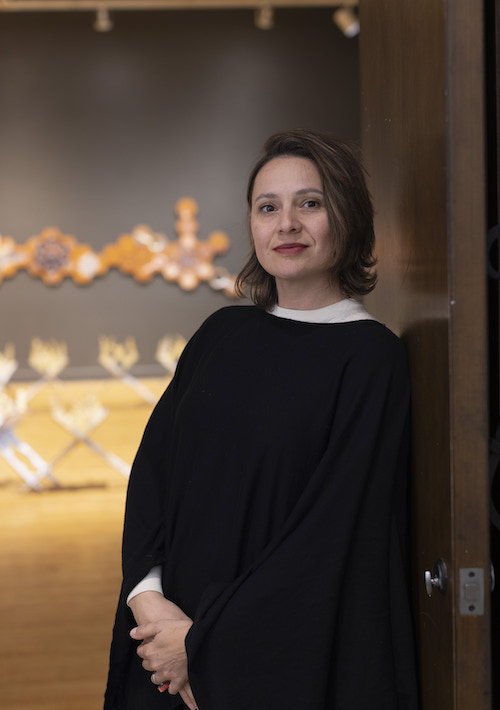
(278, 464)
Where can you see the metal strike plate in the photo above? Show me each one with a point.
(471, 591)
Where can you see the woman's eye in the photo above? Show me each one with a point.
(311, 203)
(267, 208)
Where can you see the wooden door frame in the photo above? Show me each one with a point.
(423, 109)
(469, 398)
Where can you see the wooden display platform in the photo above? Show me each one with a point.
(60, 554)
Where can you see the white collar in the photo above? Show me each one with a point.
(344, 311)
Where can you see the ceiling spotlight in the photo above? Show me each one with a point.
(102, 20)
(347, 21)
(264, 18)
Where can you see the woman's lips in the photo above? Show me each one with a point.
(293, 248)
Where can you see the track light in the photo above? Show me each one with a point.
(102, 20)
(264, 18)
(347, 21)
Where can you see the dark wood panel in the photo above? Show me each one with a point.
(421, 78)
(468, 341)
(492, 21)
(403, 100)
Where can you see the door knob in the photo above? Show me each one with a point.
(439, 580)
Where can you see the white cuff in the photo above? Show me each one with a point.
(150, 583)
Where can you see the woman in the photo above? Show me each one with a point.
(264, 550)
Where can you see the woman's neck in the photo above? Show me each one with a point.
(309, 299)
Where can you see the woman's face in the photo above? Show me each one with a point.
(289, 225)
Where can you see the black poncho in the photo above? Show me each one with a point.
(270, 484)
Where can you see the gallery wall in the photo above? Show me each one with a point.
(100, 132)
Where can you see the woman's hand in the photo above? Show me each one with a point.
(163, 627)
(152, 606)
(163, 651)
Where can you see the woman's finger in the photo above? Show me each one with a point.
(145, 631)
(148, 665)
(162, 684)
(187, 695)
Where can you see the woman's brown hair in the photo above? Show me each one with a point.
(349, 208)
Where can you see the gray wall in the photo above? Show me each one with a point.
(103, 131)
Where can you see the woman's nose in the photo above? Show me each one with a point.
(288, 220)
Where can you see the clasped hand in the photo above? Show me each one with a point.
(163, 649)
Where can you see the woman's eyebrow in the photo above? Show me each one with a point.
(302, 191)
(306, 190)
(265, 196)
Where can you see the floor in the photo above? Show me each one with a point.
(60, 547)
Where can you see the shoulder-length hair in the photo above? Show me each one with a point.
(349, 209)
